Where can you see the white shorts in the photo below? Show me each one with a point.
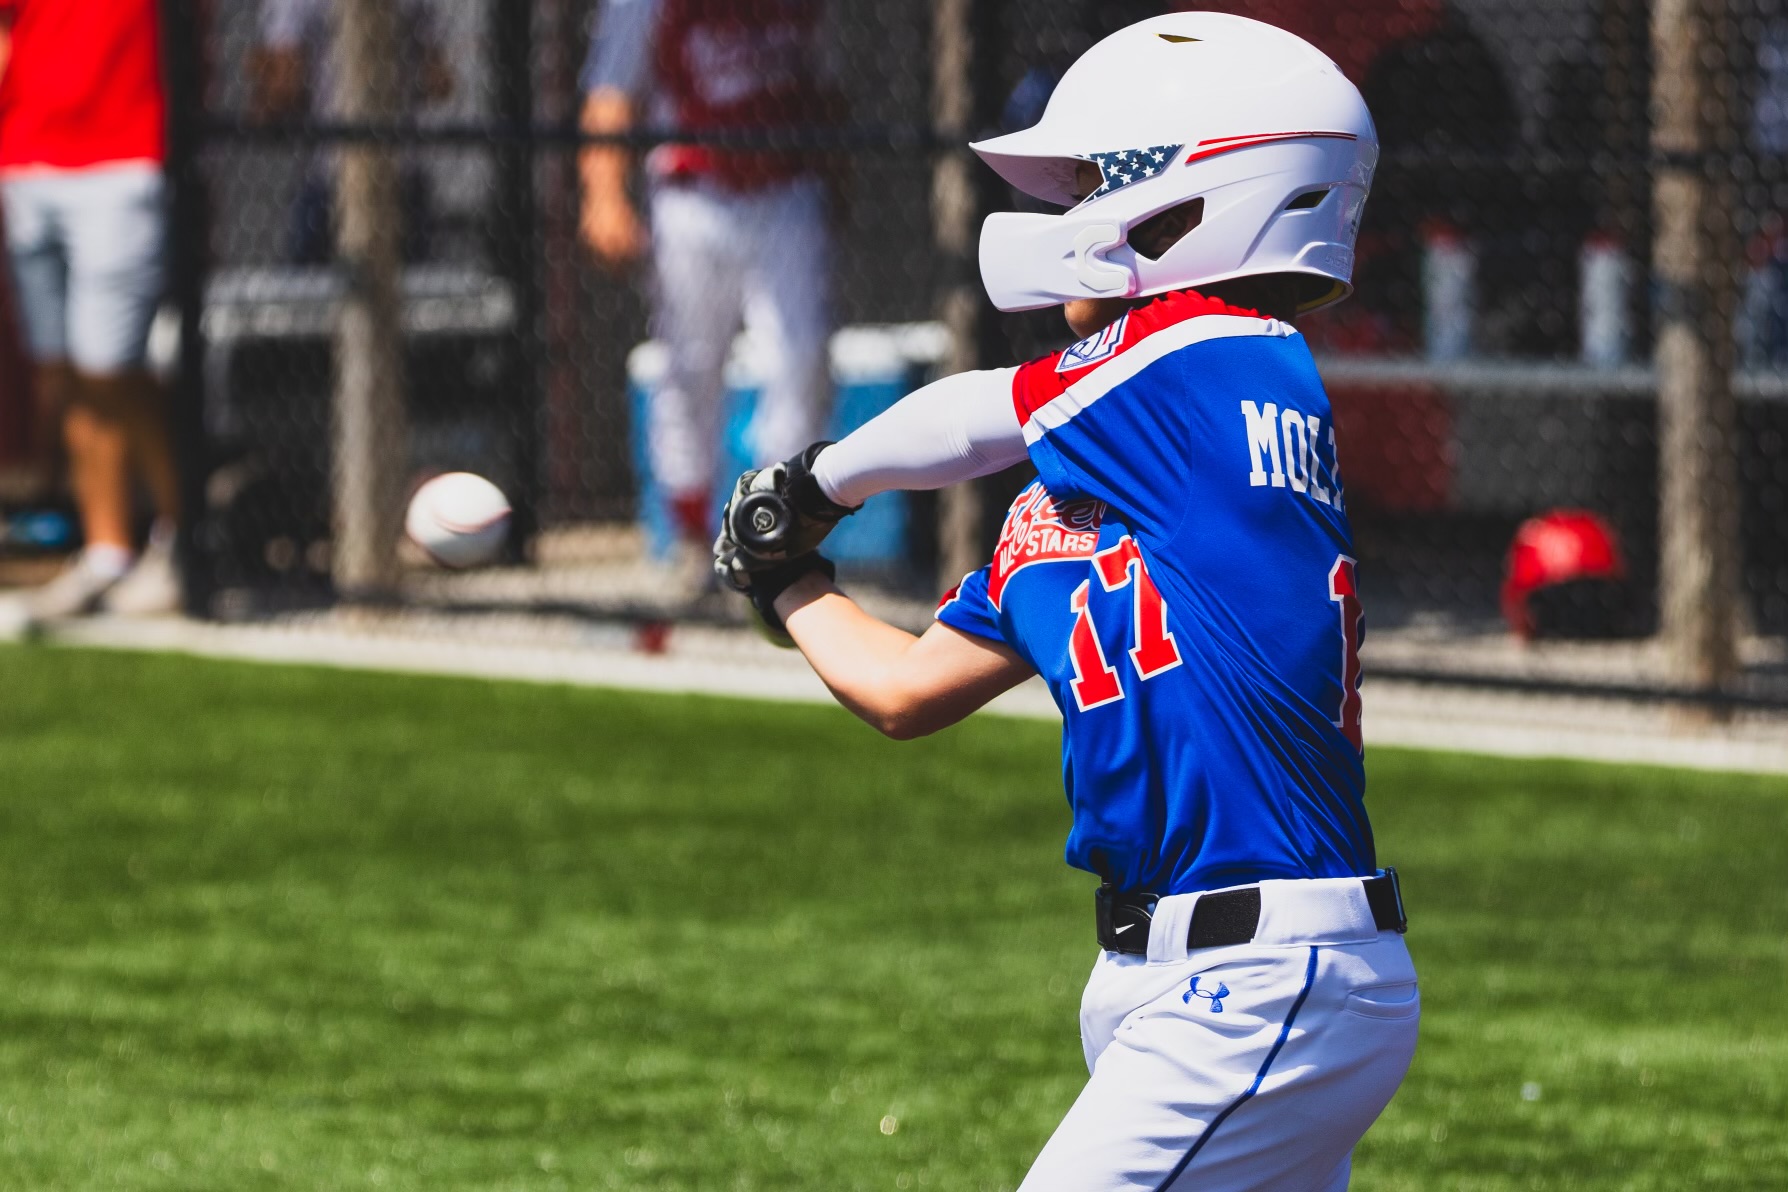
(1256, 1067)
(86, 250)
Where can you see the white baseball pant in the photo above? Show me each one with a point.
(1256, 1067)
(722, 257)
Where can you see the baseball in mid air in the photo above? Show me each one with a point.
(459, 519)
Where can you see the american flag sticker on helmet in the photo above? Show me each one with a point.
(1124, 167)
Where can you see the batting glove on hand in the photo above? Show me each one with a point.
(764, 586)
(776, 514)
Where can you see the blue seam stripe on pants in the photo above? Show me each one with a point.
(1284, 1033)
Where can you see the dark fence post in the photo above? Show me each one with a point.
(1696, 248)
(966, 94)
(183, 29)
(515, 247)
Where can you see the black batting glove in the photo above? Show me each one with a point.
(805, 494)
(775, 514)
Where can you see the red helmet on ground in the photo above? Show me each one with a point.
(1574, 552)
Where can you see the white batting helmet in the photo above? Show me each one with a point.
(1253, 120)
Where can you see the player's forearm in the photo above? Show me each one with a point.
(604, 168)
(902, 686)
(855, 655)
(955, 429)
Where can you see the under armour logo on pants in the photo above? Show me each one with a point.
(1215, 998)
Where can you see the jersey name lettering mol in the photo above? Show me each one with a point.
(1181, 575)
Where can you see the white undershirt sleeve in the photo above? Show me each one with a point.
(955, 429)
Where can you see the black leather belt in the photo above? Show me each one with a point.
(1226, 918)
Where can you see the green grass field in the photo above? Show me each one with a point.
(287, 928)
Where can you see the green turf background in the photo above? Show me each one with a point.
(288, 928)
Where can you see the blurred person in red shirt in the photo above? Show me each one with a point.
(82, 143)
(734, 234)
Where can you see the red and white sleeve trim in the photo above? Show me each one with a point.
(1045, 399)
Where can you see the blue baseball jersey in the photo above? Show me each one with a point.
(1182, 576)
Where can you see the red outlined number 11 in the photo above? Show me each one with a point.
(1344, 591)
(1095, 680)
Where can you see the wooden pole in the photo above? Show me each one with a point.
(1695, 255)
(964, 96)
(371, 441)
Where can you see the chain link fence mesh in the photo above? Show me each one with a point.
(1560, 390)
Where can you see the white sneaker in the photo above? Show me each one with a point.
(76, 592)
(152, 587)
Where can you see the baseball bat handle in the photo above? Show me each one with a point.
(761, 522)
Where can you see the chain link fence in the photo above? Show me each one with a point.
(1559, 392)
(527, 355)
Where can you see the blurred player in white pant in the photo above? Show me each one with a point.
(736, 235)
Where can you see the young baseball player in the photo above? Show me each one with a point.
(1181, 576)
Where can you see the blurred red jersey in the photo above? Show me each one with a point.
(84, 86)
(748, 66)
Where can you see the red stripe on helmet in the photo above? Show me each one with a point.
(1218, 145)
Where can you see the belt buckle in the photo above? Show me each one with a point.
(1123, 920)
